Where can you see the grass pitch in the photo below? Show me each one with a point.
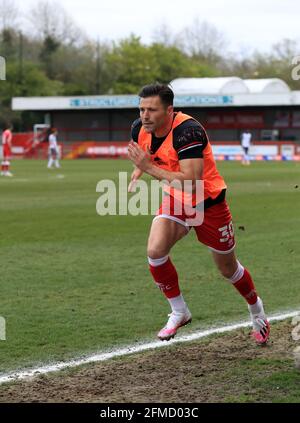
(73, 282)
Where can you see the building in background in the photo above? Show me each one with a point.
(225, 106)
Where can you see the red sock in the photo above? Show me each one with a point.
(246, 288)
(166, 278)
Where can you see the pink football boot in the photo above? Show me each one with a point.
(176, 321)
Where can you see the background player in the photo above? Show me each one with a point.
(53, 149)
(173, 146)
(246, 143)
(6, 148)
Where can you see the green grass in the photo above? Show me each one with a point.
(73, 282)
(282, 385)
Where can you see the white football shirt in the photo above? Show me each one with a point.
(52, 141)
(246, 139)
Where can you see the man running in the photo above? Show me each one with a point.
(173, 146)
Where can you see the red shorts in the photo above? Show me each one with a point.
(6, 151)
(216, 231)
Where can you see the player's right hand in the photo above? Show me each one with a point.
(136, 174)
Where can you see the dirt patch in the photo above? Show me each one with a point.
(213, 370)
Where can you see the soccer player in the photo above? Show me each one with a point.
(173, 146)
(246, 143)
(6, 148)
(53, 149)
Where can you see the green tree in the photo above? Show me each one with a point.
(34, 83)
(50, 46)
(174, 63)
(131, 65)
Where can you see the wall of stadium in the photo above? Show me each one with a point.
(108, 118)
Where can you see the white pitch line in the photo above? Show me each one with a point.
(132, 349)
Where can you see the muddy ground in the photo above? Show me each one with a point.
(226, 368)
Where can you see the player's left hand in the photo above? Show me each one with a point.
(139, 157)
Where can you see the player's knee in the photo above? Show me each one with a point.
(156, 252)
(227, 270)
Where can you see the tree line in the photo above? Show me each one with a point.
(52, 56)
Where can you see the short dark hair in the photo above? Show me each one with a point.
(163, 91)
(8, 125)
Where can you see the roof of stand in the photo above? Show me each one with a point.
(270, 86)
(223, 85)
